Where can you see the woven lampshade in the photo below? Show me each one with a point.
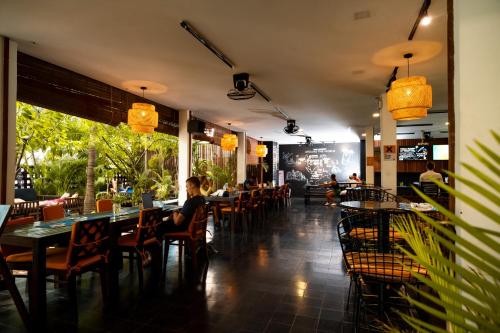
(229, 142)
(142, 118)
(261, 150)
(409, 98)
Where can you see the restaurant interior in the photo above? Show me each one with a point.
(263, 166)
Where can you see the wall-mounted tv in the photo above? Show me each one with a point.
(440, 152)
(413, 153)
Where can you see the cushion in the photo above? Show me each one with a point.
(18, 200)
(65, 195)
(75, 195)
(27, 194)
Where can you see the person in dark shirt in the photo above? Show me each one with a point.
(179, 220)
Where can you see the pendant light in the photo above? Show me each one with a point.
(142, 117)
(410, 97)
(261, 149)
(229, 141)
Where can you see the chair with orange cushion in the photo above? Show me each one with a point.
(195, 235)
(6, 278)
(53, 212)
(142, 240)
(104, 205)
(240, 208)
(7, 250)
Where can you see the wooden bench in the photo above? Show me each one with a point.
(317, 191)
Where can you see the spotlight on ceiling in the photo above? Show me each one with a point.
(376, 115)
(363, 134)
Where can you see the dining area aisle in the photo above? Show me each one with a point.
(283, 274)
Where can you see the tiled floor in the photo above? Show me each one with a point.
(283, 276)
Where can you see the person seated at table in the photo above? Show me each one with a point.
(356, 179)
(249, 183)
(206, 186)
(332, 192)
(430, 174)
(179, 220)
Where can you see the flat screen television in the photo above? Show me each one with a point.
(440, 152)
(414, 153)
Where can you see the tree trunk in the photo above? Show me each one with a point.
(89, 203)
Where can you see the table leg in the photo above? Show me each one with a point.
(38, 292)
(233, 216)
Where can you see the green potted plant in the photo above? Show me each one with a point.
(465, 294)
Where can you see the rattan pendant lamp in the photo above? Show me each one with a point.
(229, 141)
(410, 97)
(142, 117)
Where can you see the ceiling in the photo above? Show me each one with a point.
(313, 59)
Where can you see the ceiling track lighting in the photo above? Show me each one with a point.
(199, 37)
(207, 44)
(423, 13)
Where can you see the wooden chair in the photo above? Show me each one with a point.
(240, 208)
(74, 205)
(143, 240)
(195, 235)
(254, 205)
(53, 212)
(104, 205)
(6, 278)
(27, 208)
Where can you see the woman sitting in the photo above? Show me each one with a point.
(332, 192)
(206, 186)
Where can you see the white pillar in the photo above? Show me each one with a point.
(370, 174)
(8, 130)
(477, 106)
(185, 152)
(388, 140)
(241, 164)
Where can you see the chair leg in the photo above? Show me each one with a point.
(140, 271)
(131, 262)
(165, 259)
(348, 295)
(72, 295)
(104, 281)
(194, 257)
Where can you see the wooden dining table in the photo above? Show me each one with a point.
(39, 235)
(231, 200)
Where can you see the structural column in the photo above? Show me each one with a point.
(241, 164)
(369, 160)
(8, 97)
(388, 149)
(185, 152)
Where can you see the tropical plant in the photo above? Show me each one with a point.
(466, 294)
(163, 184)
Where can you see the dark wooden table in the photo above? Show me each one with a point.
(39, 235)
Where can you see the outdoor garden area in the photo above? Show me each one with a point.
(59, 155)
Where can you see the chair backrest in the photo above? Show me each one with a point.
(21, 220)
(255, 198)
(149, 219)
(104, 205)
(53, 212)
(89, 238)
(27, 208)
(74, 204)
(430, 189)
(198, 225)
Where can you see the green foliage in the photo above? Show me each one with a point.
(163, 184)
(468, 294)
(54, 139)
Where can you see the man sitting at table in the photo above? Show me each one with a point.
(430, 174)
(179, 220)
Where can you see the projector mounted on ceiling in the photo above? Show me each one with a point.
(291, 128)
(242, 88)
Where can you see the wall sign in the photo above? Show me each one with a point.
(390, 152)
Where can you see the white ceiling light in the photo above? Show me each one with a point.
(376, 115)
(426, 20)
(363, 134)
(446, 123)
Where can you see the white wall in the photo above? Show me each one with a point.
(388, 168)
(477, 87)
(370, 173)
(185, 152)
(241, 158)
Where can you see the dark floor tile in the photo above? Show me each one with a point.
(277, 328)
(305, 322)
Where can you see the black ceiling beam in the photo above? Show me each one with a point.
(423, 12)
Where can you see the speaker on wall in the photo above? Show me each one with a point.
(196, 126)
